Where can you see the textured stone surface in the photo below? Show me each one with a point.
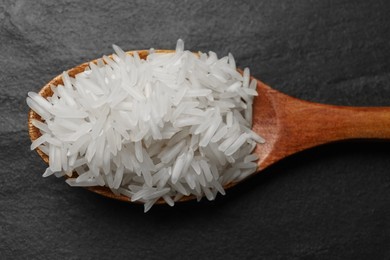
(332, 202)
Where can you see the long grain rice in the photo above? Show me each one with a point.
(173, 125)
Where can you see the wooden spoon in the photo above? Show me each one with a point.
(288, 125)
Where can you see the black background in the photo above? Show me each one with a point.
(331, 202)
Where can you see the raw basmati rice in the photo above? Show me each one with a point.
(173, 125)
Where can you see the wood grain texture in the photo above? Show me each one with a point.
(291, 125)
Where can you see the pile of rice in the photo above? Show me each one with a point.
(173, 125)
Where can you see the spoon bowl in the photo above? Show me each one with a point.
(289, 125)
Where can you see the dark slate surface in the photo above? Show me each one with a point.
(332, 202)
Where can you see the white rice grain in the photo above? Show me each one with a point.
(173, 125)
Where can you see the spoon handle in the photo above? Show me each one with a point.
(311, 124)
